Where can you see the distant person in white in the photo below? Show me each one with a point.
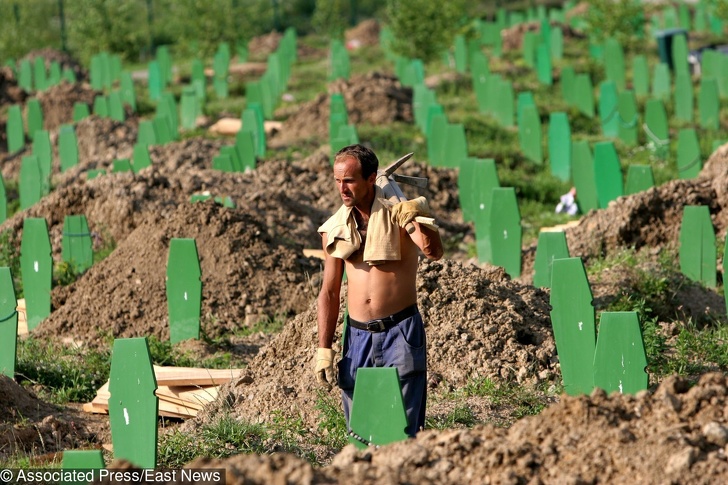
(567, 204)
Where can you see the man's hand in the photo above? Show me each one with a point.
(325, 362)
(405, 212)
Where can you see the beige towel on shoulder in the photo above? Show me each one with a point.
(382, 242)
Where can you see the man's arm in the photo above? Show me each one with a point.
(428, 240)
(328, 298)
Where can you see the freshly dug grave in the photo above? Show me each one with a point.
(675, 434)
(490, 326)
(57, 103)
(246, 276)
(366, 33)
(374, 98)
(29, 425)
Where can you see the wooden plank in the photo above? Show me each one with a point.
(192, 376)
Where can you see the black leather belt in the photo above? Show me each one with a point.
(382, 324)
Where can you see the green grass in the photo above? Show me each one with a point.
(61, 373)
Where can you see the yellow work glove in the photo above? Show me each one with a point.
(405, 212)
(324, 363)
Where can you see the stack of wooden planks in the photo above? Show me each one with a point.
(182, 391)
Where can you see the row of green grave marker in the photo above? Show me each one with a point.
(341, 132)
(339, 61)
(104, 71)
(250, 143)
(35, 77)
(268, 89)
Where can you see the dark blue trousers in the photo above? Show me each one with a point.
(402, 346)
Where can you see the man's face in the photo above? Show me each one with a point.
(354, 189)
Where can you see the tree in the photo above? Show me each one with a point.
(423, 29)
(622, 19)
(330, 18)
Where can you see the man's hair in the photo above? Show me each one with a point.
(366, 157)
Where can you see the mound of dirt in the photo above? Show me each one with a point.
(366, 33)
(63, 58)
(262, 46)
(675, 434)
(246, 275)
(491, 326)
(10, 93)
(29, 425)
(374, 98)
(57, 102)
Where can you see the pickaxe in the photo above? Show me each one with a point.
(387, 181)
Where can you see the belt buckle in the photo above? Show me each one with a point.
(376, 325)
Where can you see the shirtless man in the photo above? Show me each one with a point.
(385, 327)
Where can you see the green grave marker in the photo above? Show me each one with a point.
(432, 111)
(567, 83)
(348, 133)
(67, 147)
(640, 75)
(543, 65)
(710, 63)
(146, 135)
(620, 360)
(560, 146)
(661, 82)
(608, 109)
(31, 188)
(8, 323)
(697, 245)
(116, 107)
(461, 54)
(43, 150)
(573, 320)
(76, 244)
(614, 62)
(165, 65)
(656, 128)
(504, 104)
(25, 76)
(154, 81)
(689, 161)
(529, 135)
(101, 106)
(683, 97)
(700, 20)
(184, 290)
(456, 145)
(551, 246)
(80, 111)
(232, 151)
(95, 172)
(241, 49)
(436, 140)
(505, 230)
(492, 90)
(39, 74)
(198, 79)
(715, 24)
(14, 129)
(133, 407)
(524, 98)
(530, 42)
(607, 173)
(83, 460)
(709, 104)
(189, 108)
(253, 121)
(223, 163)
(639, 178)
(162, 129)
(126, 88)
(54, 74)
(168, 107)
(683, 16)
(140, 157)
(35, 117)
(680, 54)
(69, 75)
(121, 165)
(96, 76)
(584, 94)
(628, 119)
(557, 44)
(36, 269)
(377, 411)
(245, 145)
(422, 98)
(476, 178)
